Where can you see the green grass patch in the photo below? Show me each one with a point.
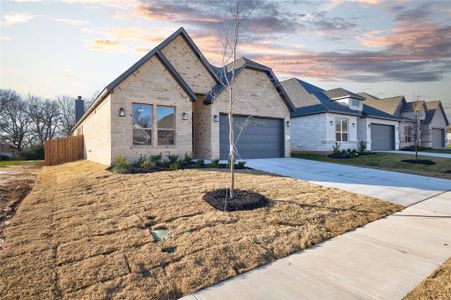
(9, 163)
(389, 161)
(448, 150)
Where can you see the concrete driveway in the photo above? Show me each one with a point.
(400, 188)
(432, 154)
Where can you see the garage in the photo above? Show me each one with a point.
(438, 138)
(259, 138)
(382, 137)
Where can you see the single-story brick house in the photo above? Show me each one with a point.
(172, 102)
(325, 117)
(432, 117)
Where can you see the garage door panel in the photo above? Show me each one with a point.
(382, 137)
(438, 138)
(259, 138)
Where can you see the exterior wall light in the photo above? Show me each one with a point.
(216, 118)
(331, 123)
(369, 125)
(353, 124)
(288, 124)
(184, 116)
(121, 112)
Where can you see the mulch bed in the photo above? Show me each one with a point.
(419, 161)
(242, 200)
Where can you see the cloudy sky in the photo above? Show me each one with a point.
(387, 48)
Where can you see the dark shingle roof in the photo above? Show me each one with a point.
(241, 64)
(340, 93)
(328, 105)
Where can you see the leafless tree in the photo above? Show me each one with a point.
(66, 120)
(239, 12)
(44, 116)
(14, 121)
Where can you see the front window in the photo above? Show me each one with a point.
(341, 130)
(408, 130)
(142, 124)
(166, 125)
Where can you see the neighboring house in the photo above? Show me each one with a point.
(431, 115)
(435, 125)
(171, 102)
(323, 118)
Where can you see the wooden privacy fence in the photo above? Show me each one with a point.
(63, 150)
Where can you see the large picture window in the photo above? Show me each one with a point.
(341, 130)
(166, 125)
(408, 134)
(142, 124)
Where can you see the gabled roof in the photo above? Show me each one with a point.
(392, 105)
(181, 31)
(367, 96)
(156, 51)
(341, 93)
(241, 64)
(162, 58)
(432, 107)
(326, 104)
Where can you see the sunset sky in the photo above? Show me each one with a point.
(385, 48)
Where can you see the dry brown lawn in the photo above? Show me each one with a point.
(436, 286)
(84, 232)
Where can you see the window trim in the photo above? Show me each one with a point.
(408, 134)
(151, 124)
(357, 101)
(340, 131)
(167, 129)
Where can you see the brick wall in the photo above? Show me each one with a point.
(150, 84)
(180, 55)
(308, 133)
(96, 130)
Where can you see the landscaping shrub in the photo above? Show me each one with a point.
(241, 165)
(174, 165)
(155, 158)
(362, 147)
(147, 164)
(336, 148)
(214, 164)
(173, 158)
(187, 159)
(200, 163)
(343, 154)
(121, 165)
(140, 162)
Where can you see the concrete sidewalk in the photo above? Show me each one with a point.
(433, 154)
(384, 259)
